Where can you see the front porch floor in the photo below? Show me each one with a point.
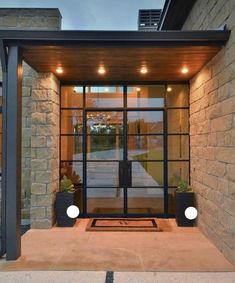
(176, 249)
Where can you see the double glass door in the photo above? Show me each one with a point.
(124, 162)
(128, 144)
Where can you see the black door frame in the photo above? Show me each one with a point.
(125, 109)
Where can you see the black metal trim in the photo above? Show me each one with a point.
(117, 38)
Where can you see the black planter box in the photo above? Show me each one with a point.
(183, 201)
(62, 202)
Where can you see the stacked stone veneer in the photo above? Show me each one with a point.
(44, 150)
(212, 129)
(28, 19)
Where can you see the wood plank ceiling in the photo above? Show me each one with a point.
(121, 63)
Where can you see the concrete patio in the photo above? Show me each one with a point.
(174, 249)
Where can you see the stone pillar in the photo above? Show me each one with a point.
(28, 76)
(27, 19)
(44, 150)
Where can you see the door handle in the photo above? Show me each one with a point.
(129, 174)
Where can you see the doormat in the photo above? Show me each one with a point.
(123, 224)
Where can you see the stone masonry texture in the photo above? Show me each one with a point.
(212, 128)
(39, 19)
(44, 149)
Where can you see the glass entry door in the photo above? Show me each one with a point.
(129, 145)
(125, 153)
(104, 154)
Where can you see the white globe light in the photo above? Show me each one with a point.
(72, 211)
(190, 213)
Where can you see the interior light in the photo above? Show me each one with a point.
(59, 70)
(106, 89)
(138, 89)
(169, 89)
(143, 70)
(101, 70)
(184, 70)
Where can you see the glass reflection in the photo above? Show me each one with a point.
(104, 96)
(145, 200)
(71, 96)
(105, 200)
(145, 148)
(147, 174)
(71, 147)
(145, 96)
(145, 122)
(71, 121)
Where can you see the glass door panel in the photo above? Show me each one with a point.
(145, 200)
(105, 200)
(145, 122)
(102, 174)
(147, 174)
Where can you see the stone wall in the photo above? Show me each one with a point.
(212, 129)
(44, 149)
(30, 18)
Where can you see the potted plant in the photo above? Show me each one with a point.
(184, 198)
(67, 195)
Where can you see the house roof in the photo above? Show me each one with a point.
(174, 14)
(122, 53)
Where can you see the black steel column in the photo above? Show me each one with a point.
(3, 56)
(13, 153)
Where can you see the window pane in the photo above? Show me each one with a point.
(104, 147)
(145, 96)
(177, 95)
(178, 147)
(72, 97)
(178, 121)
(145, 200)
(103, 174)
(177, 171)
(147, 174)
(71, 147)
(105, 123)
(104, 96)
(105, 200)
(145, 148)
(145, 122)
(71, 122)
(72, 170)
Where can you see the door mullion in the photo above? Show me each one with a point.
(125, 150)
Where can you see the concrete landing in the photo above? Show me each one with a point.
(176, 249)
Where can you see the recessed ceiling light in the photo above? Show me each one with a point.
(59, 70)
(138, 89)
(101, 70)
(143, 70)
(184, 70)
(169, 89)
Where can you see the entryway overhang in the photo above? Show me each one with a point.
(121, 53)
(126, 56)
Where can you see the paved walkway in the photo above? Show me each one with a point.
(176, 249)
(119, 277)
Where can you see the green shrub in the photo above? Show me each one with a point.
(184, 187)
(66, 185)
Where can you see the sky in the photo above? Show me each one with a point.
(92, 14)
